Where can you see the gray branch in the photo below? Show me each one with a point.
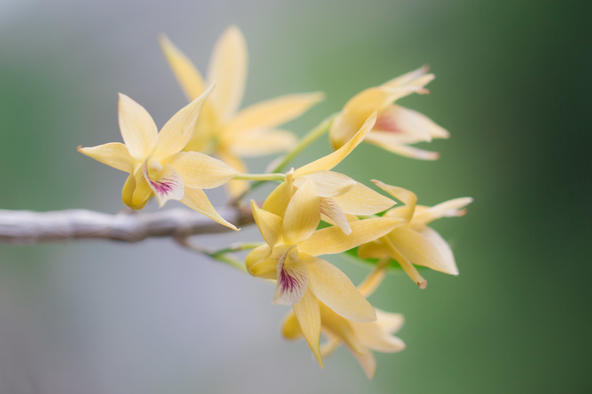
(33, 227)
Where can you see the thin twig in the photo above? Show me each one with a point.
(33, 227)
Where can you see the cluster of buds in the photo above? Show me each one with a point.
(314, 211)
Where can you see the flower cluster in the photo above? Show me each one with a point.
(313, 211)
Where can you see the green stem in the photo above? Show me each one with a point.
(260, 177)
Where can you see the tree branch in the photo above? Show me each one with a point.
(33, 227)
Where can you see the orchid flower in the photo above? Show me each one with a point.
(396, 127)
(155, 161)
(302, 279)
(336, 195)
(224, 130)
(415, 242)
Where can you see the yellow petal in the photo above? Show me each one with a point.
(336, 326)
(332, 240)
(292, 278)
(136, 192)
(202, 171)
(166, 185)
(271, 113)
(374, 250)
(333, 288)
(332, 213)
(406, 196)
(188, 76)
(177, 132)
(372, 336)
(361, 200)
(259, 262)
(450, 208)
(329, 161)
(262, 142)
(389, 322)
(405, 263)
(197, 200)
(425, 247)
(235, 187)
(367, 362)
(330, 345)
(355, 112)
(302, 215)
(327, 183)
(137, 127)
(418, 78)
(392, 144)
(278, 199)
(270, 224)
(291, 328)
(414, 123)
(228, 69)
(113, 154)
(309, 318)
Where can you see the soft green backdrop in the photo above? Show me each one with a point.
(513, 89)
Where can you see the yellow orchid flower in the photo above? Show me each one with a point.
(396, 127)
(415, 242)
(336, 195)
(360, 337)
(302, 279)
(230, 133)
(156, 163)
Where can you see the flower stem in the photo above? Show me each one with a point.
(260, 177)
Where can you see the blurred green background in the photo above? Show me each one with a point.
(512, 87)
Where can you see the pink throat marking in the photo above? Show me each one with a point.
(289, 283)
(387, 123)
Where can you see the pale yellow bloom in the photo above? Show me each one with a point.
(335, 195)
(223, 129)
(415, 242)
(302, 279)
(156, 163)
(396, 127)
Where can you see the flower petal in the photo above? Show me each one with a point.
(424, 215)
(361, 200)
(228, 69)
(406, 196)
(292, 278)
(392, 144)
(367, 362)
(332, 213)
(405, 263)
(373, 336)
(374, 250)
(389, 322)
(270, 224)
(291, 328)
(327, 183)
(271, 113)
(202, 171)
(136, 192)
(177, 132)
(332, 240)
(333, 288)
(261, 142)
(137, 127)
(302, 214)
(355, 112)
(188, 76)
(197, 200)
(113, 154)
(329, 161)
(309, 318)
(418, 78)
(261, 263)
(278, 199)
(425, 247)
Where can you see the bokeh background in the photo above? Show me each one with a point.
(512, 87)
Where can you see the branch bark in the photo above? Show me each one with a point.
(27, 227)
